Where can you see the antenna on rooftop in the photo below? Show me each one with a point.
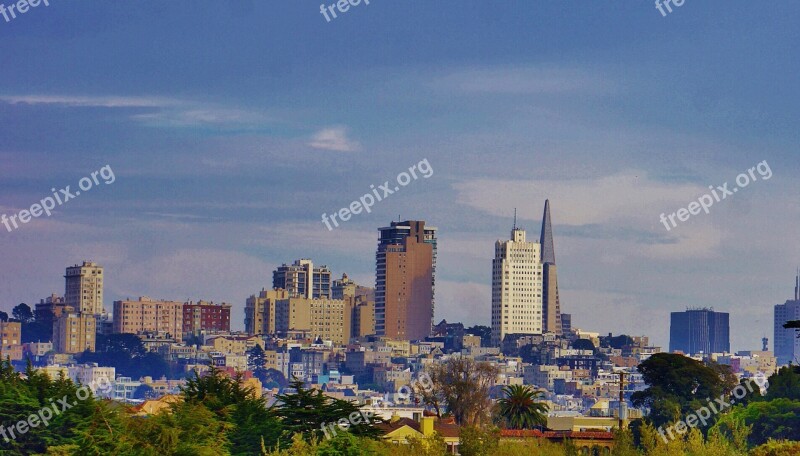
(515, 218)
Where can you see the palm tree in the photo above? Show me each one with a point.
(519, 408)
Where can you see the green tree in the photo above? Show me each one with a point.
(784, 384)
(520, 408)
(778, 419)
(22, 313)
(477, 441)
(678, 385)
(305, 411)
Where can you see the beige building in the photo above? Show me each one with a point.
(147, 315)
(259, 311)
(363, 317)
(328, 319)
(11, 333)
(234, 344)
(74, 332)
(84, 288)
(516, 287)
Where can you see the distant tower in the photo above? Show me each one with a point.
(787, 345)
(551, 305)
(764, 344)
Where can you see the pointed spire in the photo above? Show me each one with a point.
(546, 240)
(797, 286)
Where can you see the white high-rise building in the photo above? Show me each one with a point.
(516, 287)
(84, 288)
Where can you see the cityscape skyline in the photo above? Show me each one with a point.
(222, 171)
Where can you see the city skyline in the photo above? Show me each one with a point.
(224, 161)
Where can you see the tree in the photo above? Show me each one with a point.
(461, 387)
(144, 392)
(678, 385)
(784, 384)
(484, 332)
(22, 313)
(306, 412)
(583, 344)
(778, 419)
(3, 316)
(519, 408)
(252, 422)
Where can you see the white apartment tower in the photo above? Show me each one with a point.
(516, 287)
(84, 288)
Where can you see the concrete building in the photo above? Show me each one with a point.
(84, 288)
(147, 315)
(92, 374)
(699, 330)
(516, 287)
(206, 316)
(786, 342)
(49, 309)
(302, 279)
(259, 311)
(328, 319)
(74, 332)
(405, 278)
(11, 337)
(363, 317)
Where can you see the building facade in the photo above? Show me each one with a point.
(787, 344)
(206, 316)
(699, 330)
(328, 319)
(74, 332)
(147, 315)
(259, 311)
(11, 337)
(302, 279)
(551, 304)
(84, 288)
(404, 282)
(516, 287)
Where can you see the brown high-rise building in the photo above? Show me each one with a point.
(404, 282)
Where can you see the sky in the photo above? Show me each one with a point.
(231, 127)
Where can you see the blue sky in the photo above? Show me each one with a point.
(232, 126)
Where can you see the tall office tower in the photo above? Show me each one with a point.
(787, 344)
(74, 332)
(551, 306)
(302, 279)
(404, 281)
(259, 311)
(84, 288)
(566, 323)
(516, 287)
(147, 315)
(699, 330)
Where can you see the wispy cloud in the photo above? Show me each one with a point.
(334, 138)
(162, 111)
(524, 80)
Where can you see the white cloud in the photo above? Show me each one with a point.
(524, 80)
(334, 138)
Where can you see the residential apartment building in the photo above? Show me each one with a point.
(302, 279)
(11, 337)
(74, 332)
(84, 288)
(206, 316)
(405, 278)
(147, 315)
(259, 311)
(328, 319)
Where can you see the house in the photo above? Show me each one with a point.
(399, 430)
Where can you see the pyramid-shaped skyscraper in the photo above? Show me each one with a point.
(551, 306)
